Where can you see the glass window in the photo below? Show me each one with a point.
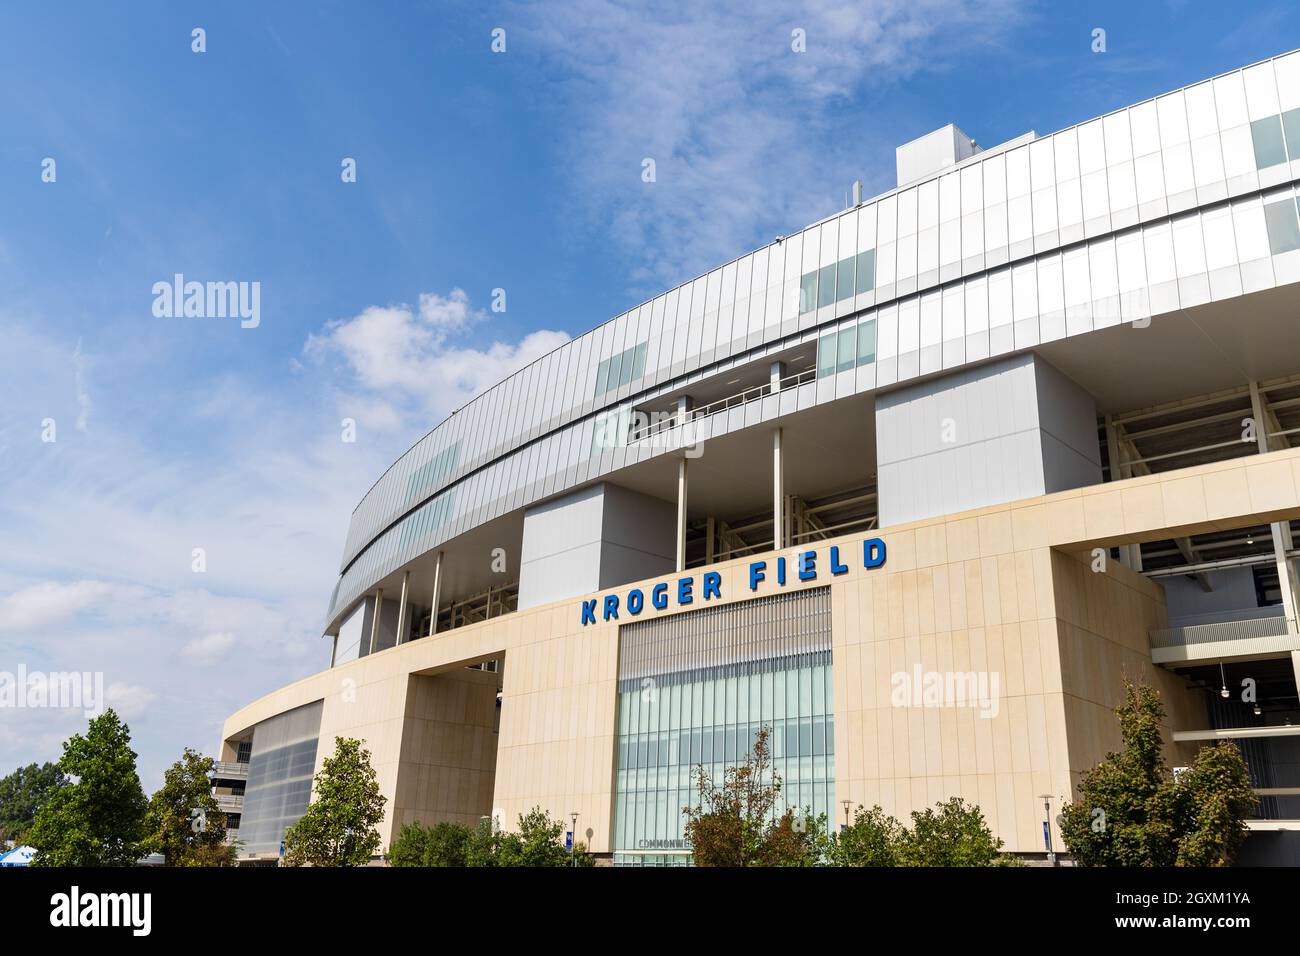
(1291, 131)
(602, 374)
(614, 368)
(1266, 134)
(1283, 230)
(826, 285)
(638, 360)
(844, 280)
(826, 355)
(866, 341)
(866, 271)
(808, 293)
(847, 351)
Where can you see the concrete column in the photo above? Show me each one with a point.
(401, 609)
(437, 595)
(374, 620)
(778, 373)
(711, 531)
(684, 406)
(778, 492)
(681, 514)
(1130, 555)
(1280, 530)
(334, 651)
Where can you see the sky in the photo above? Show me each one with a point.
(476, 170)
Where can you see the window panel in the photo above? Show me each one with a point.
(844, 279)
(1283, 228)
(826, 346)
(866, 341)
(1266, 137)
(866, 271)
(847, 349)
(826, 285)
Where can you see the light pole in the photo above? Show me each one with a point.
(846, 813)
(574, 851)
(1047, 826)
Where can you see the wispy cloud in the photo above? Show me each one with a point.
(747, 135)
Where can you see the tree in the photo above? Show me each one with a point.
(340, 827)
(99, 819)
(735, 823)
(538, 842)
(443, 844)
(184, 823)
(950, 834)
(871, 840)
(22, 793)
(1131, 812)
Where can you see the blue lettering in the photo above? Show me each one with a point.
(588, 612)
(659, 596)
(756, 573)
(808, 566)
(780, 571)
(635, 601)
(873, 553)
(836, 566)
(712, 585)
(684, 590)
(611, 606)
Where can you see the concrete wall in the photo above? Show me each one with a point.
(1011, 429)
(591, 539)
(1003, 589)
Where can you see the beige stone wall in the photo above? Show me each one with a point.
(1004, 590)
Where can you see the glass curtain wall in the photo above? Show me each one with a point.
(694, 689)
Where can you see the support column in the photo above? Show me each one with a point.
(1280, 531)
(778, 492)
(374, 619)
(681, 513)
(334, 651)
(437, 595)
(684, 406)
(1130, 555)
(777, 373)
(710, 546)
(401, 609)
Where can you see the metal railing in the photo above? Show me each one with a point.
(229, 769)
(1243, 630)
(740, 399)
(229, 802)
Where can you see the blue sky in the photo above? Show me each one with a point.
(475, 170)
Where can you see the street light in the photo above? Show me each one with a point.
(574, 851)
(845, 803)
(1047, 826)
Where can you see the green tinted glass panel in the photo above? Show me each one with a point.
(1291, 132)
(602, 374)
(638, 361)
(614, 365)
(826, 354)
(867, 342)
(1283, 229)
(866, 279)
(1267, 136)
(826, 286)
(847, 351)
(808, 293)
(844, 280)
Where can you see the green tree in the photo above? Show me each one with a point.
(735, 823)
(871, 840)
(443, 844)
(99, 819)
(949, 834)
(1131, 812)
(184, 822)
(22, 793)
(340, 827)
(538, 842)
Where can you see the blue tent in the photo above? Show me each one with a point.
(18, 856)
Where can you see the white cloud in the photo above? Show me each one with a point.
(210, 648)
(407, 367)
(129, 700)
(749, 138)
(48, 603)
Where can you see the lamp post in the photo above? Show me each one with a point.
(573, 852)
(1047, 826)
(845, 803)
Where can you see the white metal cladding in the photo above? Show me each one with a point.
(1181, 200)
(730, 640)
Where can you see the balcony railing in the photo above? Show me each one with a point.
(229, 770)
(1223, 631)
(752, 394)
(230, 803)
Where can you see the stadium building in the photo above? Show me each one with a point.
(917, 487)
